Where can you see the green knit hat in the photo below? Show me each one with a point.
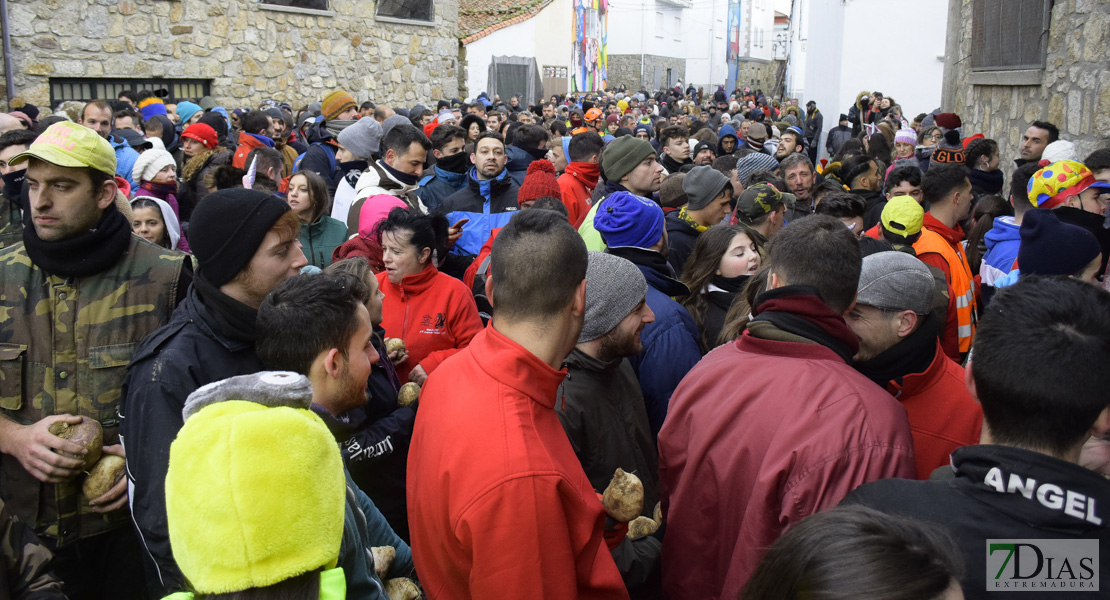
(622, 155)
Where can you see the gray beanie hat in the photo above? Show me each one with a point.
(362, 137)
(702, 185)
(750, 163)
(895, 281)
(614, 287)
(392, 121)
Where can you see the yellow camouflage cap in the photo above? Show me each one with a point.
(760, 199)
(68, 144)
(903, 215)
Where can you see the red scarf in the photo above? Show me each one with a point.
(587, 173)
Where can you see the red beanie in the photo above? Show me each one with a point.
(949, 121)
(201, 133)
(539, 182)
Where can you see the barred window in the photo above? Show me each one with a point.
(409, 10)
(311, 4)
(1009, 34)
(85, 89)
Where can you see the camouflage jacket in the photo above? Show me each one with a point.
(11, 224)
(64, 349)
(25, 567)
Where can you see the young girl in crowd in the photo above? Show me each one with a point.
(724, 258)
(156, 172)
(154, 221)
(320, 234)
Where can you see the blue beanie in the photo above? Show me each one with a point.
(186, 110)
(625, 219)
(1051, 247)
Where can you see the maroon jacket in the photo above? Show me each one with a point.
(759, 435)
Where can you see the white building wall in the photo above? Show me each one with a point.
(839, 48)
(548, 36)
(706, 64)
(760, 27)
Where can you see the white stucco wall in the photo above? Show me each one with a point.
(548, 36)
(842, 47)
(705, 32)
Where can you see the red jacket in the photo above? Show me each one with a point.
(760, 435)
(575, 184)
(498, 503)
(247, 142)
(943, 415)
(432, 312)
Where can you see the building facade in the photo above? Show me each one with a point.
(1062, 77)
(239, 52)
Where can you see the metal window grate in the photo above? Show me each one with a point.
(1009, 34)
(85, 89)
(313, 4)
(415, 10)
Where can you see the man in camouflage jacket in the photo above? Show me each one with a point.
(77, 295)
(24, 562)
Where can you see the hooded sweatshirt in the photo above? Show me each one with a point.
(173, 228)
(1002, 241)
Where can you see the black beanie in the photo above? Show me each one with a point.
(217, 122)
(226, 229)
(1052, 247)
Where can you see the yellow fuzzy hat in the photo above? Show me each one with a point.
(255, 494)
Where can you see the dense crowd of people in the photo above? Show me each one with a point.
(366, 351)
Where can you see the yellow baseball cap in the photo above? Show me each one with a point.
(68, 144)
(903, 215)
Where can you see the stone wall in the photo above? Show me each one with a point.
(624, 69)
(757, 74)
(1073, 92)
(248, 53)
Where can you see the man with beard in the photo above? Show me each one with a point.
(629, 165)
(633, 228)
(790, 142)
(899, 351)
(323, 327)
(800, 178)
(602, 408)
(1035, 139)
(245, 242)
(489, 198)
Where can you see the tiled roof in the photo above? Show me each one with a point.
(479, 18)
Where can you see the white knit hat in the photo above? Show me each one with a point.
(149, 163)
(1058, 151)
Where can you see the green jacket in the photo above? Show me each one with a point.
(320, 239)
(64, 349)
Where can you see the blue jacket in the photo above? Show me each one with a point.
(1002, 242)
(488, 204)
(517, 165)
(125, 159)
(670, 343)
(445, 183)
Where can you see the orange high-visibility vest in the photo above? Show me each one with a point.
(963, 285)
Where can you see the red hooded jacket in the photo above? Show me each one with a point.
(432, 312)
(498, 503)
(943, 415)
